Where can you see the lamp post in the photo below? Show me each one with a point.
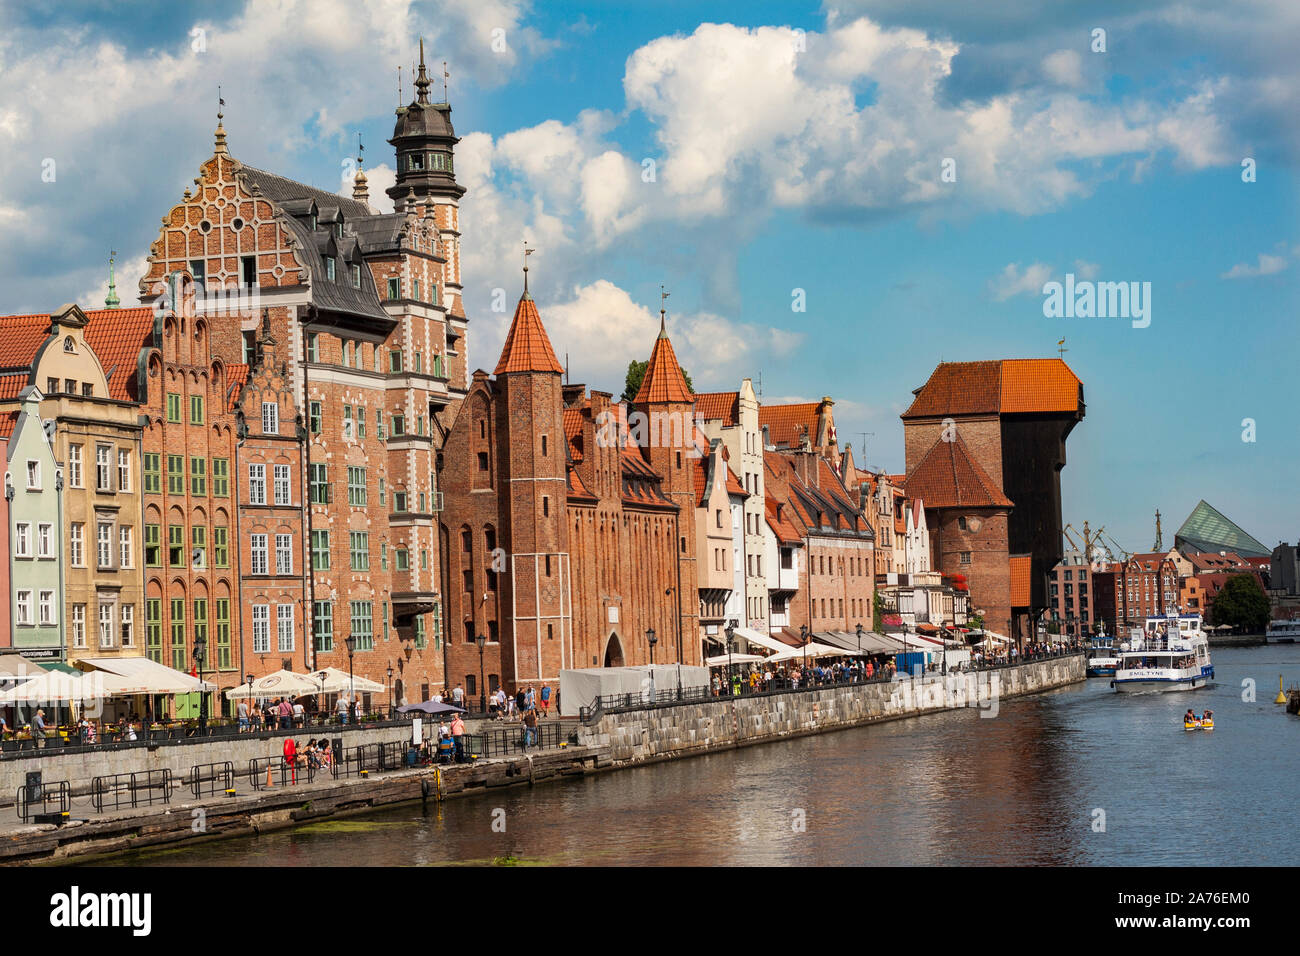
(860, 631)
(481, 641)
(652, 641)
(730, 631)
(804, 637)
(390, 690)
(200, 651)
(320, 704)
(351, 643)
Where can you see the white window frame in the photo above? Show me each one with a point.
(281, 486)
(284, 629)
(126, 546)
(261, 619)
(23, 607)
(45, 540)
(23, 539)
(258, 553)
(123, 469)
(127, 618)
(78, 625)
(103, 467)
(107, 625)
(270, 418)
(284, 554)
(74, 466)
(77, 544)
(104, 545)
(33, 475)
(45, 601)
(257, 484)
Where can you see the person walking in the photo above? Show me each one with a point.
(458, 735)
(546, 700)
(458, 696)
(530, 728)
(356, 709)
(241, 712)
(341, 708)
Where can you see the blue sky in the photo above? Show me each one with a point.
(783, 161)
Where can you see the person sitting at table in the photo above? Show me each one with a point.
(313, 754)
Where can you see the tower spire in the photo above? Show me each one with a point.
(360, 190)
(422, 80)
(111, 301)
(527, 252)
(445, 77)
(220, 145)
(663, 313)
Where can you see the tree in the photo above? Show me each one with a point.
(877, 613)
(636, 372)
(1241, 603)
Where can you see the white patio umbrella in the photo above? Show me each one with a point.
(722, 660)
(280, 684)
(59, 687)
(338, 682)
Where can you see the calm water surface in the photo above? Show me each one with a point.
(949, 789)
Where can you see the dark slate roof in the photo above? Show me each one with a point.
(377, 233)
(339, 295)
(282, 191)
(424, 119)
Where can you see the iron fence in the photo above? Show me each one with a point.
(57, 792)
(131, 789)
(211, 778)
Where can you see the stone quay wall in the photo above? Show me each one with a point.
(680, 730)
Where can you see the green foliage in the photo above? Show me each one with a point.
(636, 372)
(877, 613)
(1241, 603)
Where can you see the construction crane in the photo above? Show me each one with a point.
(1092, 542)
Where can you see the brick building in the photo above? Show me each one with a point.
(1072, 596)
(1147, 584)
(1004, 424)
(366, 312)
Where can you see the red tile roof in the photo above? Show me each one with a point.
(573, 432)
(238, 376)
(948, 477)
(1021, 577)
(7, 422)
(787, 424)
(1007, 386)
(527, 347)
(663, 381)
(11, 385)
(20, 337)
(117, 336)
(715, 406)
(785, 532)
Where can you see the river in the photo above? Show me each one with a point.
(1078, 776)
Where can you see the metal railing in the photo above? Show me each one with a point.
(509, 741)
(260, 767)
(211, 778)
(58, 792)
(131, 789)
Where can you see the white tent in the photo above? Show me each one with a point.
(280, 684)
(722, 660)
(155, 678)
(338, 682)
(581, 687)
(812, 651)
(59, 687)
(762, 640)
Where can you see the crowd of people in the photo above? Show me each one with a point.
(285, 713)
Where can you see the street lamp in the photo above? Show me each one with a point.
(804, 638)
(481, 641)
(730, 631)
(390, 690)
(200, 650)
(351, 643)
(652, 641)
(860, 631)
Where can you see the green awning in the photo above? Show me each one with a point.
(59, 667)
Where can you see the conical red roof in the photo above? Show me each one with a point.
(663, 381)
(527, 347)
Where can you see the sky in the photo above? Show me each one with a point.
(835, 196)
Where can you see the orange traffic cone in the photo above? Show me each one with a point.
(268, 778)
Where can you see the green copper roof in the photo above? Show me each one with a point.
(1208, 529)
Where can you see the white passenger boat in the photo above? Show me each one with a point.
(1169, 653)
(1103, 657)
(1282, 632)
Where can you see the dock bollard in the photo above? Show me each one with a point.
(1281, 697)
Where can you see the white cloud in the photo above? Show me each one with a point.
(1064, 67)
(1267, 266)
(1013, 280)
(1086, 270)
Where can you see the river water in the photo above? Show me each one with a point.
(1078, 776)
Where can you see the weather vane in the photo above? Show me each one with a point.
(220, 103)
(1060, 347)
(445, 77)
(527, 252)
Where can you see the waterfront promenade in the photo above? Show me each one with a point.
(199, 808)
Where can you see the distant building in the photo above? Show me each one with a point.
(1072, 596)
(1208, 529)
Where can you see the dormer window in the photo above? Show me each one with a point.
(356, 276)
(313, 222)
(329, 267)
(69, 344)
(338, 229)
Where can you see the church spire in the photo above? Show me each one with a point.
(111, 301)
(527, 348)
(360, 191)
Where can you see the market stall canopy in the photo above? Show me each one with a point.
(995, 636)
(16, 665)
(279, 684)
(53, 688)
(338, 682)
(813, 650)
(871, 643)
(762, 640)
(722, 659)
(434, 708)
(155, 678)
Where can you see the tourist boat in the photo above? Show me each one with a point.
(1168, 653)
(1102, 656)
(1282, 632)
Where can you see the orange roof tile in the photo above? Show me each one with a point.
(573, 418)
(948, 477)
(20, 337)
(527, 347)
(11, 385)
(117, 336)
(786, 424)
(663, 381)
(1021, 580)
(714, 406)
(785, 532)
(998, 387)
(7, 422)
(238, 376)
